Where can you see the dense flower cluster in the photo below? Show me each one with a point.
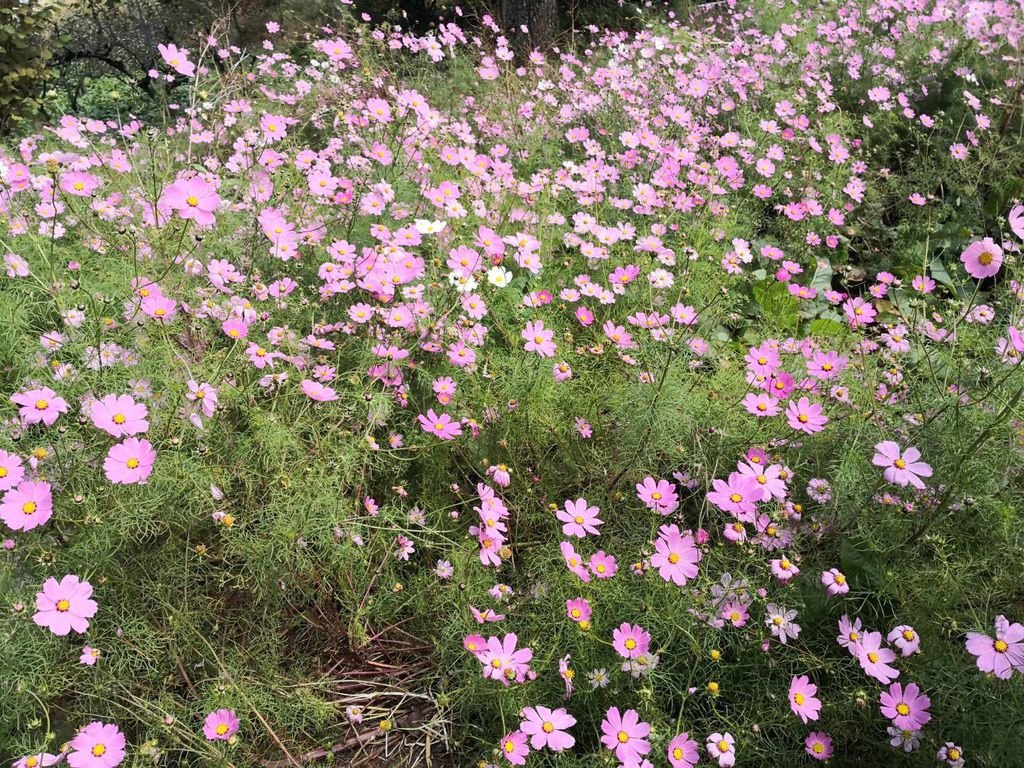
(596, 363)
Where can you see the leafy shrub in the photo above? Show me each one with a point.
(328, 383)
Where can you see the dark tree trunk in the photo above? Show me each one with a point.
(540, 17)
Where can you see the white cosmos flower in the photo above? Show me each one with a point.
(499, 277)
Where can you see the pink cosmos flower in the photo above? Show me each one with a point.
(39, 406)
(130, 461)
(119, 415)
(578, 609)
(683, 752)
(675, 555)
(722, 747)
(514, 747)
(1016, 220)
(631, 640)
(539, 339)
(1001, 655)
(314, 390)
(906, 639)
(65, 605)
(177, 59)
(835, 582)
(982, 258)
(193, 199)
(805, 416)
(906, 707)
(802, 699)
(97, 745)
(546, 728)
(28, 506)
(574, 561)
(603, 565)
(579, 518)
(40, 760)
(659, 495)
(818, 745)
(875, 659)
(442, 426)
(12, 470)
(220, 725)
(626, 736)
(902, 468)
(739, 495)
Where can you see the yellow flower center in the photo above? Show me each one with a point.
(63, 606)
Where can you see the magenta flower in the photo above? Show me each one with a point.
(875, 659)
(39, 406)
(515, 748)
(906, 707)
(982, 258)
(902, 468)
(1001, 655)
(318, 392)
(802, 699)
(177, 59)
(28, 506)
(906, 639)
(805, 416)
(130, 461)
(722, 747)
(574, 561)
(539, 339)
(65, 605)
(675, 555)
(835, 582)
(625, 735)
(546, 728)
(603, 565)
(683, 752)
(442, 426)
(818, 745)
(631, 640)
(12, 470)
(119, 415)
(739, 496)
(659, 495)
(193, 199)
(220, 725)
(580, 519)
(97, 745)
(578, 609)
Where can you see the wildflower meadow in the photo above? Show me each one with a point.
(405, 399)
